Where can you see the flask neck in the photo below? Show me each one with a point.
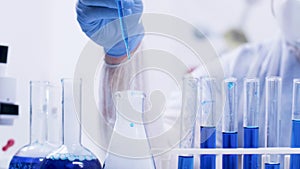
(38, 128)
(39, 101)
(71, 112)
(71, 129)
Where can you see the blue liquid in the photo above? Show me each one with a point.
(208, 140)
(230, 85)
(230, 140)
(123, 27)
(18, 162)
(272, 166)
(295, 158)
(185, 162)
(66, 164)
(251, 139)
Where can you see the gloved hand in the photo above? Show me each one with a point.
(99, 20)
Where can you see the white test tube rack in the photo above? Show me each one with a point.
(219, 152)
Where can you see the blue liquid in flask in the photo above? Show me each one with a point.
(185, 162)
(25, 163)
(251, 139)
(295, 158)
(272, 166)
(68, 164)
(208, 140)
(230, 140)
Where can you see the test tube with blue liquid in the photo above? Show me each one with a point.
(273, 102)
(251, 121)
(295, 143)
(123, 26)
(230, 123)
(188, 120)
(208, 118)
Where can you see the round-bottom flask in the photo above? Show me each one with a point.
(71, 155)
(32, 155)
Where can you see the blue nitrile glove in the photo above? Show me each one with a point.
(99, 20)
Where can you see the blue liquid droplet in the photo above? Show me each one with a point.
(131, 125)
(230, 85)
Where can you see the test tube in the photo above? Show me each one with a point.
(188, 120)
(251, 122)
(230, 123)
(295, 143)
(208, 118)
(273, 102)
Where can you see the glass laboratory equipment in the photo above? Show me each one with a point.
(129, 147)
(188, 120)
(208, 118)
(251, 122)
(273, 103)
(71, 154)
(32, 155)
(230, 123)
(295, 143)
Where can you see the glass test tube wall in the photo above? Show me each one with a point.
(251, 122)
(273, 102)
(208, 89)
(230, 123)
(295, 143)
(188, 119)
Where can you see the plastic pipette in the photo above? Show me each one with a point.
(123, 26)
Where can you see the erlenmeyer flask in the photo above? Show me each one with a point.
(32, 155)
(71, 154)
(129, 147)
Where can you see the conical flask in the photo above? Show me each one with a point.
(71, 155)
(129, 147)
(32, 155)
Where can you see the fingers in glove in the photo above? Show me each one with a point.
(138, 7)
(107, 3)
(90, 14)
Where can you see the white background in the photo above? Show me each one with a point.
(45, 41)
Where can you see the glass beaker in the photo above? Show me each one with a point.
(71, 154)
(41, 104)
(129, 147)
